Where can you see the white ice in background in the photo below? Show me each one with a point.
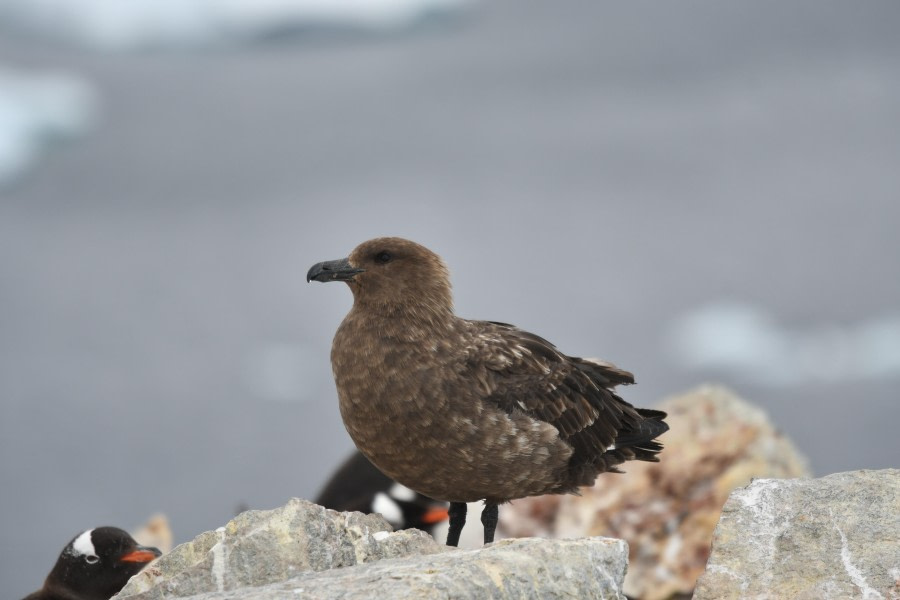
(37, 110)
(749, 344)
(123, 24)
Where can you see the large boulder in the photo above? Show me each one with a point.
(525, 569)
(833, 537)
(304, 550)
(261, 547)
(667, 511)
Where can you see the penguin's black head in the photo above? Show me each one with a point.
(98, 563)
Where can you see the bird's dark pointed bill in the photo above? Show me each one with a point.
(141, 554)
(332, 270)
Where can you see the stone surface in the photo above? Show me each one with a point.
(510, 569)
(260, 547)
(304, 550)
(667, 511)
(833, 537)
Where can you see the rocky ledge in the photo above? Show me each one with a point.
(833, 537)
(303, 550)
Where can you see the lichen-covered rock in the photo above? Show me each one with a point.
(833, 537)
(526, 569)
(667, 511)
(261, 547)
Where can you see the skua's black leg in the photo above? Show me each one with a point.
(489, 520)
(457, 514)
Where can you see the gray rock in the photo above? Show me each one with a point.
(833, 537)
(520, 569)
(260, 547)
(305, 551)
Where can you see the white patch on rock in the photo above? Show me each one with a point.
(381, 535)
(895, 573)
(401, 492)
(219, 560)
(388, 509)
(761, 498)
(856, 576)
(726, 571)
(83, 545)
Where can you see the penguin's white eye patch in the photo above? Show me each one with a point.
(388, 509)
(91, 558)
(83, 546)
(401, 492)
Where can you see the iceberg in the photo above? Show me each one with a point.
(37, 110)
(749, 344)
(132, 24)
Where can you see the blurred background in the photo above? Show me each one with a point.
(698, 191)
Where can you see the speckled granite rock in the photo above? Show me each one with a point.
(667, 511)
(260, 547)
(833, 537)
(527, 569)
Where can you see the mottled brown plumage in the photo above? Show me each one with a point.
(464, 410)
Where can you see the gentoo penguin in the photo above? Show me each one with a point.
(358, 485)
(463, 410)
(95, 565)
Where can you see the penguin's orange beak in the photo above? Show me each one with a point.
(436, 515)
(141, 554)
